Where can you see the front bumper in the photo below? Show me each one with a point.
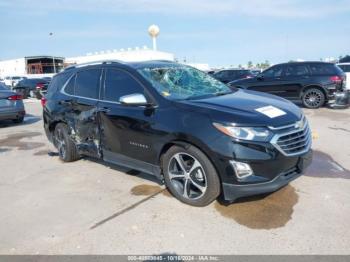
(232, 192)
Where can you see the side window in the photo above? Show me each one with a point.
(345, 68)
(69, 89)
(57, 83)
(222, 74)
(275, 71)
(322, 69)
(87, 83)
(296, 70)
(120, 83)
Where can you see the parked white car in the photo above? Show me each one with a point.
(12, 80)
(346, 68)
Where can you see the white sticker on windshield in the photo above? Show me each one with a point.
(270, 111)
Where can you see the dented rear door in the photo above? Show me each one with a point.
(83, 118)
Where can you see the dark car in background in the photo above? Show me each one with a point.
(32, 87)
(181, 125)
(11, 105)
(229, 75)
(314, 83)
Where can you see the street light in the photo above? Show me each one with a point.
(53, 58)
(153, 31)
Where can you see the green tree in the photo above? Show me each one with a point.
(250, 64)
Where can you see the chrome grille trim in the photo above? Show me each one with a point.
(293, 143)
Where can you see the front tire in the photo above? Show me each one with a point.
(67, 150)
(313, 98)
(190, 176)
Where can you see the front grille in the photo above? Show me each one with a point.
(294, 142)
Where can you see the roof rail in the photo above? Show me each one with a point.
(95, 63)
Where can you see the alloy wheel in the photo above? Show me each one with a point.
(313, 98)
(187, 176)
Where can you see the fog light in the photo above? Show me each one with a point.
(242, 170)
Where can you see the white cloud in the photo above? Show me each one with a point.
(264, 8)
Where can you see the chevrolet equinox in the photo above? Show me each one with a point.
(191, 131)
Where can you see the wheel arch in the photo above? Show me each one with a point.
(185, 144)
(321, 88)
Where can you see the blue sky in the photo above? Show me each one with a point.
(218, 32)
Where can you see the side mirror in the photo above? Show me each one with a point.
(134, 100)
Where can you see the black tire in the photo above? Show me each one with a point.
(313, 98)
(18, 120)
(67, 150)
(204, 176)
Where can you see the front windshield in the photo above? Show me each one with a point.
(183, 82)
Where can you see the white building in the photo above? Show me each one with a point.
(129, 55)
(31, 66)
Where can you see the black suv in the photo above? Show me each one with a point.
(229, 75)
(181, 125)
(314, 83)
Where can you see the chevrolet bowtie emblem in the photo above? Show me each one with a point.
(299, 124)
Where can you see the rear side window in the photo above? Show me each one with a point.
(345, 68)
(57, 83)
(119, 83)
(323, 69)
(87, 83)
(296, 70)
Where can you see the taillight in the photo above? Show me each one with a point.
(336, 79)
(40, 85)
(15, 97)
(43, 101)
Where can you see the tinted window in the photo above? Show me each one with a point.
(323, 69)
(120, 83)
(222, 74)
(69, 89)
(296, 70)
(275, 71)
(57, 83)
(87, 83)
(345, 68)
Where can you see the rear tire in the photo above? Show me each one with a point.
(190, 176)
(313, 98)
(67, 150)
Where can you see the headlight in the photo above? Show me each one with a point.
(245, 133)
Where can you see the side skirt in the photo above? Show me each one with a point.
(129, 162)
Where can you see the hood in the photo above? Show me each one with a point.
(241, 108)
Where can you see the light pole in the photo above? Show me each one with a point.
(53, 58)
(153, 31)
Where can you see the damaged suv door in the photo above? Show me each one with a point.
(126, 129)
(80, 106)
